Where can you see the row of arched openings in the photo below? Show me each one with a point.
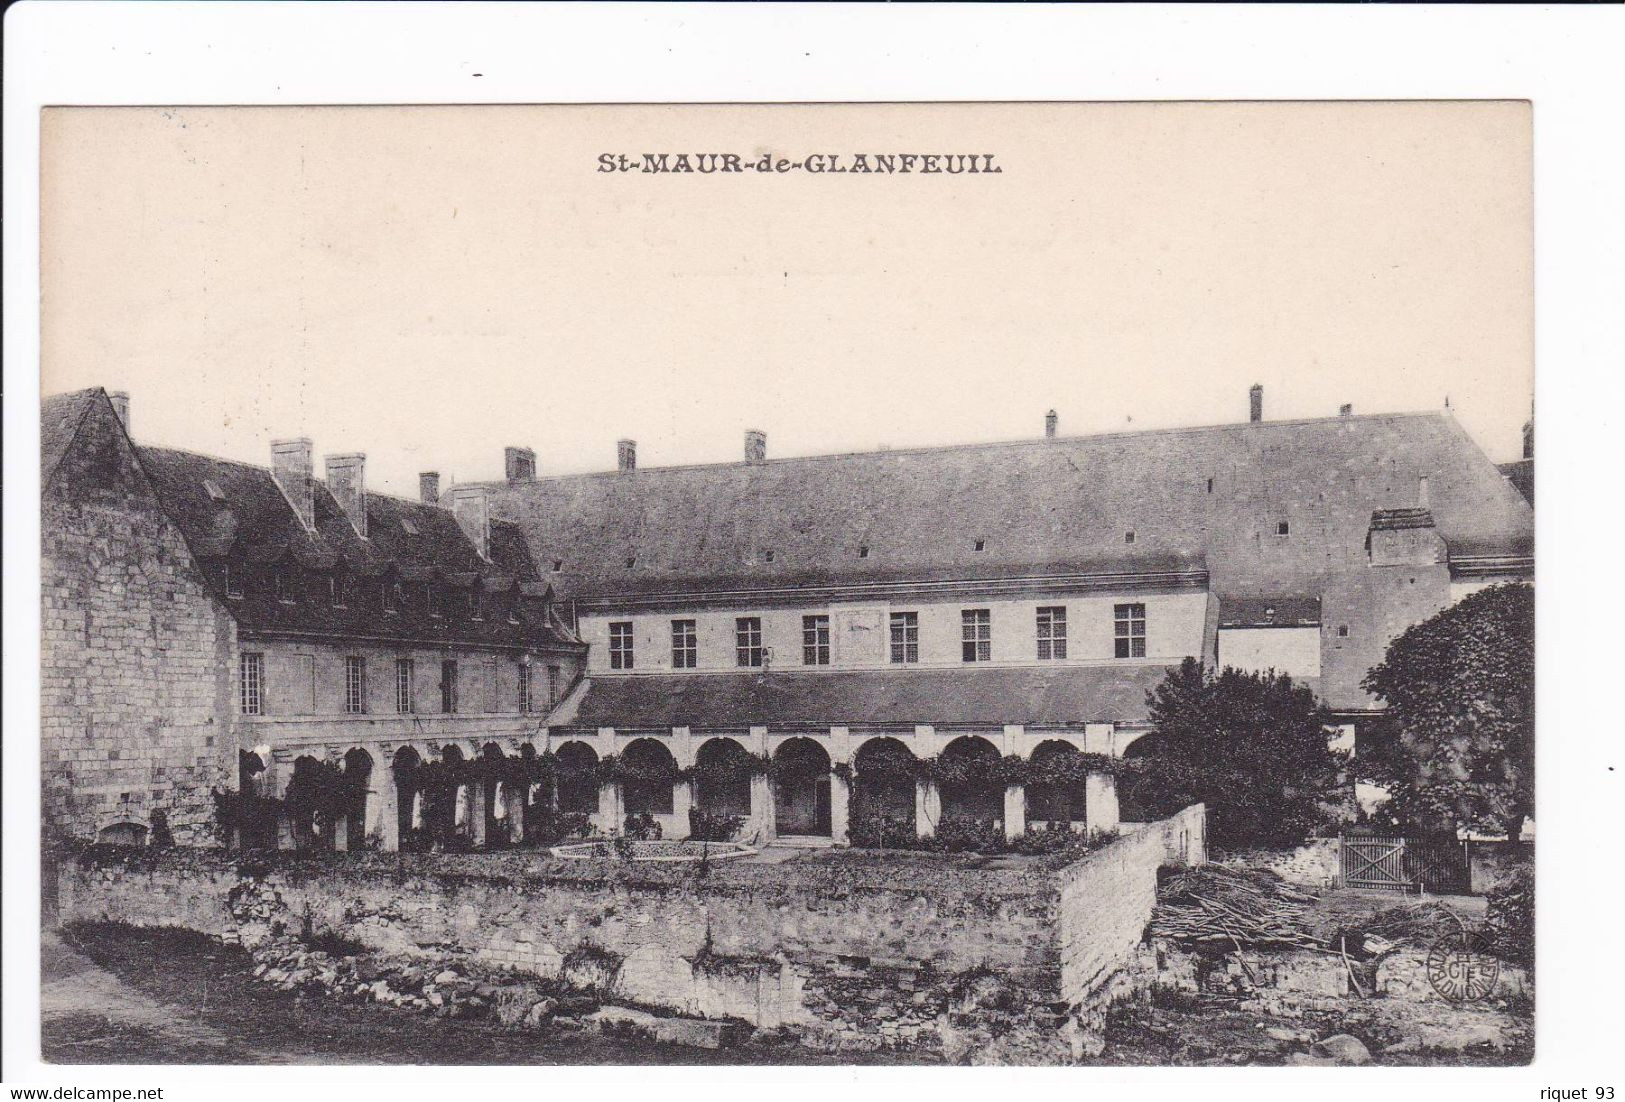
(884, 772)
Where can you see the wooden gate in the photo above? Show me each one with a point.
(1389, 863)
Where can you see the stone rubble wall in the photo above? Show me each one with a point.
(1003, 963)
(1104, 904)
(1315, 864)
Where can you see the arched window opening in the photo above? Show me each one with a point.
(649, 771)
(1060, 799)
(723, 777)
(970, 786)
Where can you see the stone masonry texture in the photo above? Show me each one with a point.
(136, 658)
(855, 951)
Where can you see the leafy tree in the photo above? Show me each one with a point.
(1458, 745)
(1254, 747)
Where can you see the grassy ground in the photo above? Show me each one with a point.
(113, 994)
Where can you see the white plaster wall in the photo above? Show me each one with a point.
(1294, 651)
(860, 633)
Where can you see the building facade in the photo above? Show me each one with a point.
(218, 626)
(808, 645)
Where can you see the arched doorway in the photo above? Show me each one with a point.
(722, 778)
(449, 804)
(357, 774)
(409, 809)
(1061, 800)
(495, 826)
(576, 779)
(650, 771)
(970, 788)
(883, 784)
(256, 818)
(801, 788)
(308, 803)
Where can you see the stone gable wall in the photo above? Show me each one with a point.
(137, 659)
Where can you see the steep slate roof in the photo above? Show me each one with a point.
(60, 418)
(967, 697)
(1521, 473)
(1056, 502)
(253, 523)
(1269, 612)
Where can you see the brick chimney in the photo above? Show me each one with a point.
(472, 508)
(755, 446)
(1346, 410)
(429, 487)
(1255, 403)
(519, 464)
(626, 455)
(291, 469)
(121, 406)
(347, 482)
(1051, 421)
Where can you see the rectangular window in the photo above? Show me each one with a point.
(1052, 633)
(525, 702)
(620, 645)
(552, 687)
(448, 685)
(355, 685)
(435, 598)
(976, 633)
(234, 581)
(685, 645)
(748, 640)
(905, 638)
(253, 684)
(392, 597)
(815, 640)
(403, 686)
(284, 586)
(1130, 628)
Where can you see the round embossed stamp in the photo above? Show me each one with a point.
(1461, 967)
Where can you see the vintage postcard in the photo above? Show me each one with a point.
(1002, 583)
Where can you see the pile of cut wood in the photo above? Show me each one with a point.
(1238, 908)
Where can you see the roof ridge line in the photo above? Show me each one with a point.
(935, 449)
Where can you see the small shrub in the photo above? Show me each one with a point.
(703, 826)
(642, 827)
(969, 836)
(876, 830)
(1509, 918)
(1052, 838)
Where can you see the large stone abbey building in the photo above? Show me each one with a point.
(214, 624)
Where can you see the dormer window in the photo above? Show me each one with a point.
(333, 597)
(282, 585)
(558, 565)
(212, 488)
(437, 601)
(1128, 537)
(392, 596)
(1282, 528)
(474, 603)
(408, 527)
(863, 551)
(981, 545)
(233, 580)
(1210, 485)
(631, 561)
(769, 555)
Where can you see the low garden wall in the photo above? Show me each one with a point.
(1007, 959)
